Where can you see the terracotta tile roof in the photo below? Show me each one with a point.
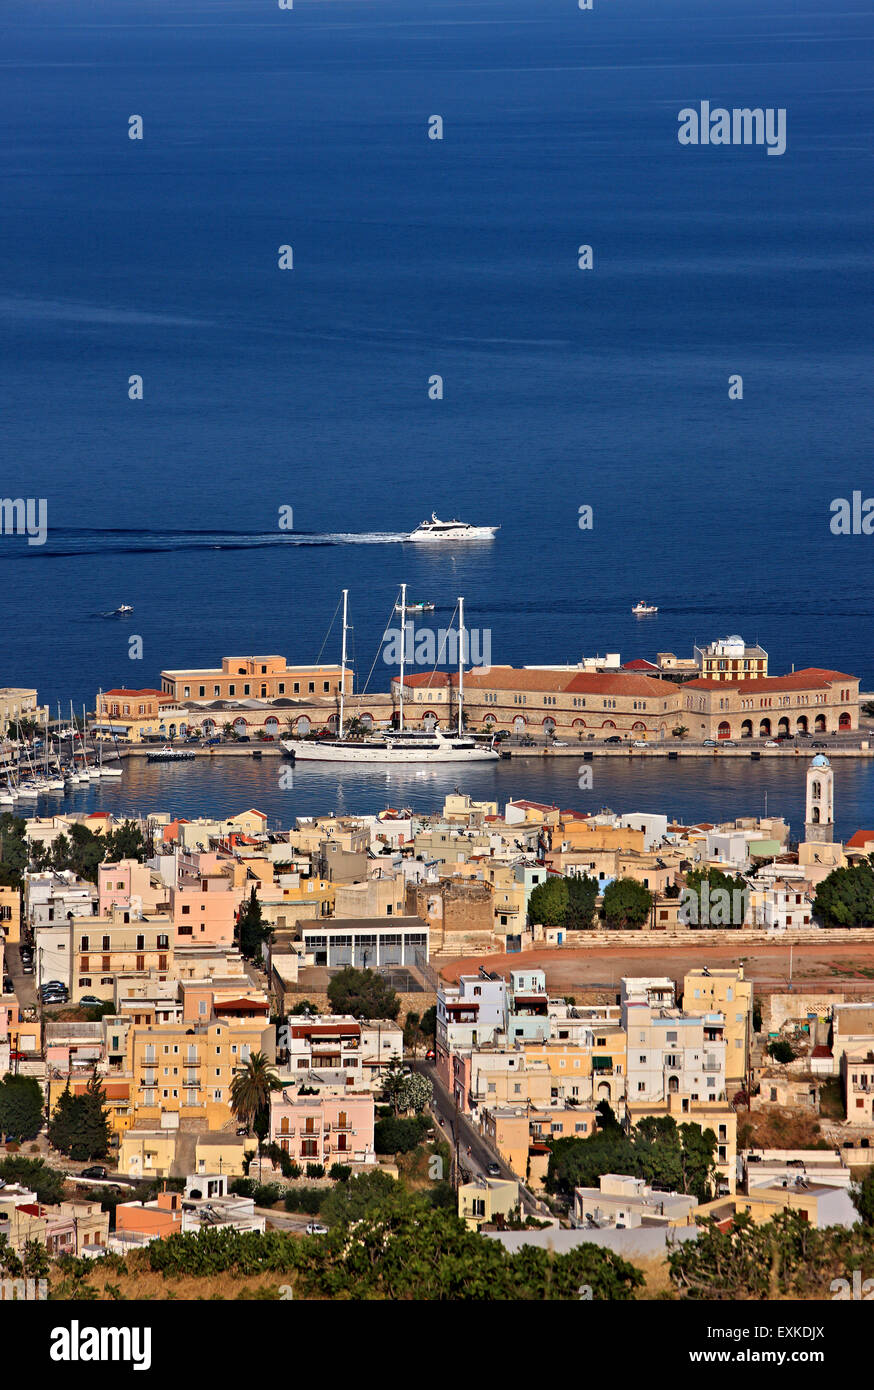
(860, 839)
(538, 679)
(125, 692)
(639, 664)
(811, 677)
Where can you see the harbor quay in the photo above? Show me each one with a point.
(723, 695)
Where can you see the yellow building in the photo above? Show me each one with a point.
(102, 948)
(481, 1201)
(727, 992)
(585, 1073)
(185, 1069)
(147, 1153)
(253, 677)
(223, 1153)
(10, 914)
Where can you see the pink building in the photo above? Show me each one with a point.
(128, 884)
(323, 1129)
(204, 911)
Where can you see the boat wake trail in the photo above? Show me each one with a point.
(72, 543)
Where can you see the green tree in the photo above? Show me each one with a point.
(126, 842)
(781, 1051)
(350, 1201)
(251, 1087)
(21, 1107)
(79, 1126)
(724, 903)
(252, 930)
(362, 993)
(862, 1193)
(626, 903)
(548, 902)
(845, 898)
(394, 1136)
(13, 850)
(582, 892)
(46, 1182)
(393, 1080)
(657, 1150)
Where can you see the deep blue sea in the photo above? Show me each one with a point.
(414, 257)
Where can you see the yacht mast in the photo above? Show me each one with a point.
(343, 662)
(460, 662)
(403, 644)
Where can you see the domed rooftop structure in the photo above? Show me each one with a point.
(820, 761)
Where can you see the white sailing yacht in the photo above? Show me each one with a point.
(401, 746)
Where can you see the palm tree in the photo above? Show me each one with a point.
(251, 1087)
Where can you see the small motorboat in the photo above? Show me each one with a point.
(414, 608)
(642, 609)
(122, 610)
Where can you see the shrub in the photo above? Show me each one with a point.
(315, 1170)
(400, 1136)
(339, 1172)
(306, 1199)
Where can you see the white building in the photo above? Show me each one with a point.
(673, 1052)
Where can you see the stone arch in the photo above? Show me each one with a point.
(746, 729)
(764, 728)
(724, 729)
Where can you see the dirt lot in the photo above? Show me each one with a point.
(846, 967)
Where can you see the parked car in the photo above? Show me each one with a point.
(527, 741)
(95, 1171)
(614, 738)
(90, 1001)
(430, 1055)
(52, 984)
(27, 967)
(559, 743)
(315, 1228)
(210, 742)
(710, 743)
(493, 1170)
(817, 745)
(243, 738)
(17, 1056)
(640, 743)
(771, 743)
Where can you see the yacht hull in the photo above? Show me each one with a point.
(448, 751)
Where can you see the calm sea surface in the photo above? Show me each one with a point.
(412, 258)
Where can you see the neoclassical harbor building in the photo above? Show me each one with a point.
(592, 705)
